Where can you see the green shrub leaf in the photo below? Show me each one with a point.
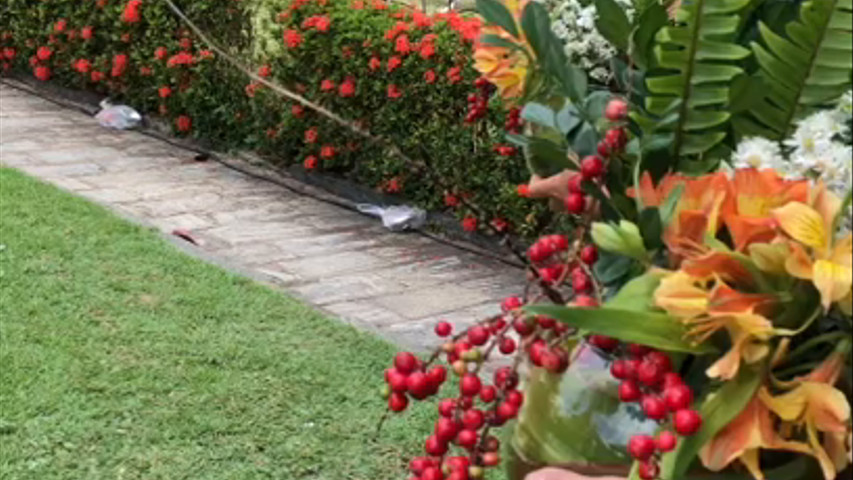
(496, 13)
(613, 23)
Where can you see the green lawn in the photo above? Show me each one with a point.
(123, 358)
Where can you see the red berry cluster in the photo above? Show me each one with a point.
(478, 103)
(513, 120)
(593, 167)
(647, 378)
(553, 262)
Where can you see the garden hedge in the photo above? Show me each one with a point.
(394, 70)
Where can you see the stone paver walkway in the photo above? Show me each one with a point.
(396, 285)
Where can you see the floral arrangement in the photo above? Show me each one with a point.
(706, 266)
(396, 71)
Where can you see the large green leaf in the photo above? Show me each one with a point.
(718, 410)
(701, 58)
(568, 79)
(807, 68)
(494, 12)
(657, 330)
(613, 23)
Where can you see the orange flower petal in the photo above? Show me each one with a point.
(799, 264)
(832, 280)
(803, 223)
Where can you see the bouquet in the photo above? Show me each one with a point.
(709, 259)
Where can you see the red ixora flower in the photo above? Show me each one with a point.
(374, 64)
(145, 71)
(164, 91)
(42, 73)
(60, 25)
(97, 76)
(82, 65)
(454, 74)
(44, 53)
(327, 151)
(357, 5)
(402, 45)
(9, 53)
(297, 111)
(469, 223)
(327, 85)
(379, 5)
(161, 53)
(251, 88)
(394, 63)
(292, 38)
(394, 91)
(321, 23)
(86, 33)
(311, 135)
(397, 29)
(429, 76)
(180, 58)
(183, 123)
(451, 200)
(131, 11)
(119, 64)
(427, 50)
(186, 43)
(347, 88)
(394, 185)
(310, 162)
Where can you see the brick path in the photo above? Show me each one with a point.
(396, 285)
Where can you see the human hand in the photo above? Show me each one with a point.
(557, 474)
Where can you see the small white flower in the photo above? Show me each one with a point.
(845, 103)
(758, 152)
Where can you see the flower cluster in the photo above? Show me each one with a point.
(574, 24)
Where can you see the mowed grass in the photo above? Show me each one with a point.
(123, 358)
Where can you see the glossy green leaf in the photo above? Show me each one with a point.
(612, 23)
(657, 330)
(637, 295)
(651, 20)
(494, 12)
(584, 140)
(718, 410)
(651, 227)
(539, 114)
(546, 158)
(611, 268)
(808, 67)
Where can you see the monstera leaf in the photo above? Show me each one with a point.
(804, 71)
(700, 57)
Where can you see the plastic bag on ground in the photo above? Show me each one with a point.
(120, 117)
(396, 218)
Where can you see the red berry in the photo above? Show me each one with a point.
(418, 385)
(419, 464)
(505, 378)
(557, 242)
(575, 181)
(488, 394)
(671, 379)
(397, 402)
(491, 459)
(397, 381)
(406, 362)
(629, 391)
(455, 464)
(687, 422)
(632, 365)
(539, 252)
(446, 429)
(437, 375)
(616, 110)
(446, 407)
(507, 346)
(435, 447)
(515, 397)
(473, 419)
(654, 407)
(661, 359)
(603, 149)
(608, 344)
(616, 139)
(666, 441)
(432, 473)
(649, 470)
(592, 167)
(443, 329)
(585, 301)
(546, 322)
(619, 370)
(641, 447)
(467, 439)
(637, 350)
(555, 360)
(650, 373)
(478, 335)
(522, 326)
(507, 411)
(589, 254)
(511, 303)
(581, 282)
(678, 397)
(481, 82)
(470, 385)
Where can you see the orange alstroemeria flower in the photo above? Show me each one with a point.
(816, 407)
(506, 68)
(753, 194)
(708, 306)
(830, 262)
(743, 438)
(697, 211)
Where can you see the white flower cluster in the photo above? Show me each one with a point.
(820, 148)
(574, 24)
